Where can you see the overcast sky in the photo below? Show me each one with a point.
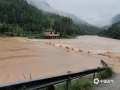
(101, 10)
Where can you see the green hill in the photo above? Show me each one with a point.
(19, 16)
(84, 26)
(112, 32)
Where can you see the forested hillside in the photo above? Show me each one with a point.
(19, 16)
(84, 26)
(112, 32)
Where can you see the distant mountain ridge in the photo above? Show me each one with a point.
(43, 5)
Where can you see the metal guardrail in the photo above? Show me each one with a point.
(38, 83)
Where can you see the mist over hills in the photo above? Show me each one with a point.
(113, 30)
(43, 5)
(116, 19)
(106, 27)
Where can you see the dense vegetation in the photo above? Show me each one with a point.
(18, 16)
(84, 26)
(112, 32)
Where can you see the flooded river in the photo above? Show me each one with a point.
(23, 58)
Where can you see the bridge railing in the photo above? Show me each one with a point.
(39, 83)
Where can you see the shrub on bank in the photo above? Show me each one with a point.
(105, 74)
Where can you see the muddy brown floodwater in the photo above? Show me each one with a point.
(22, 58)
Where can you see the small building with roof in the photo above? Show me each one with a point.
(50, 34)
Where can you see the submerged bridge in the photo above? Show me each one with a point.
(49, 82)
